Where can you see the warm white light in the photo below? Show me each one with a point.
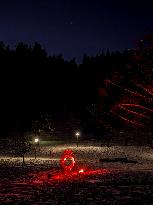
(77, 134)
(81, 171)
(36, 140)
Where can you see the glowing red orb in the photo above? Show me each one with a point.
(67, 161)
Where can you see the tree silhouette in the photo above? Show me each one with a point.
(22, 146)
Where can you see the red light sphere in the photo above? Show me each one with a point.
(67, 161)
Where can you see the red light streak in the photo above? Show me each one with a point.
(130, 121)
(139, 106)
(146, 90)
(75, 175)
(133, 112)
(125, 89)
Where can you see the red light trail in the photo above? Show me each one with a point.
(67, 160)
(130, 121)
(126, 99)
(136, 114)
(125, 89)
(133, 112)
(67, 174)
(139, 106)
(145, 89)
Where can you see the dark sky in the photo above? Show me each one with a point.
(75, 27)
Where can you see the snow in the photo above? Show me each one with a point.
(89, 156)
(124, 183)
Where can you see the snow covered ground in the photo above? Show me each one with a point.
(121, 183)
(34, 186)
(88, 156)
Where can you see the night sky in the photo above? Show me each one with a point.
(75, 27)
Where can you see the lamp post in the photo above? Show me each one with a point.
(77, 135)
(36, 143)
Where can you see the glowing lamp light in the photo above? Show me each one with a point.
(36, 140)
(77, 134)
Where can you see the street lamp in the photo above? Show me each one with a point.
(77, 134)
(36, 140)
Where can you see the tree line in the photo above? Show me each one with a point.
(33, 81)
